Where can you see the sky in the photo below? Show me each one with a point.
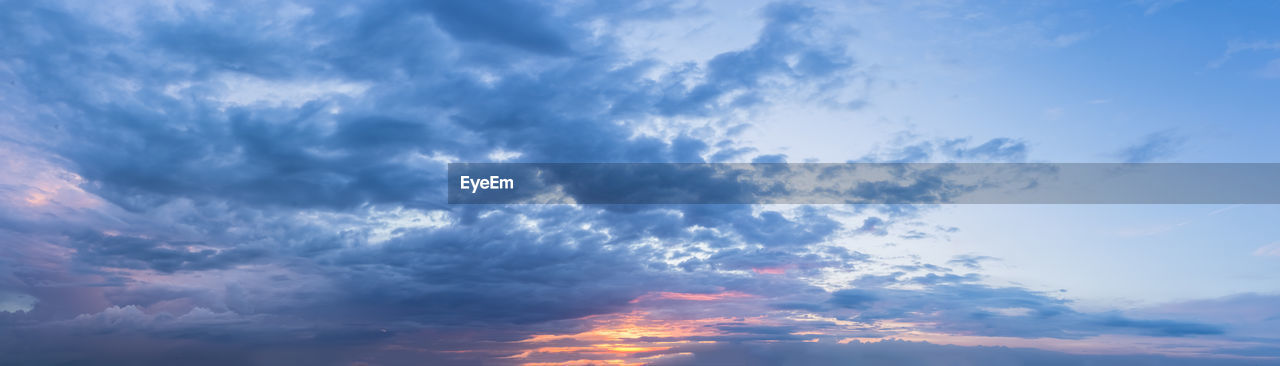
(263, 183)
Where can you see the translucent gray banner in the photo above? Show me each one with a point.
(864, 183)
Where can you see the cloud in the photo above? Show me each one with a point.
(532, 31)
(907, 353)
(1271, 70)
(118, 251)
(971, 261)
(997, 149)
(261, 185)
(744, 72)
(958, 304)
(1000, 149)
(1236, 47)
(1155, 146)
(243, 159)
(874, 226)
(1269, 250)
(1155, 6)
(15, 302)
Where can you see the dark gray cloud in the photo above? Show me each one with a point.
(163, 256)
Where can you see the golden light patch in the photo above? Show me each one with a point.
(692, 297)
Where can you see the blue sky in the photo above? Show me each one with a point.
(263, 182)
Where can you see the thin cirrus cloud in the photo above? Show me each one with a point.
(1269, 250)
(257, 184)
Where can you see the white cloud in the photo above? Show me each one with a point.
(1269, 250)
(504, 155)
(235, 89)
(1064, 40)
(1271, 70)
(1237, 47)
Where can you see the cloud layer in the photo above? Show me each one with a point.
(263, 183)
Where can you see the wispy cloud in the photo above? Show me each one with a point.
(1269, 250)
(1152, 147)
(1236, 47)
